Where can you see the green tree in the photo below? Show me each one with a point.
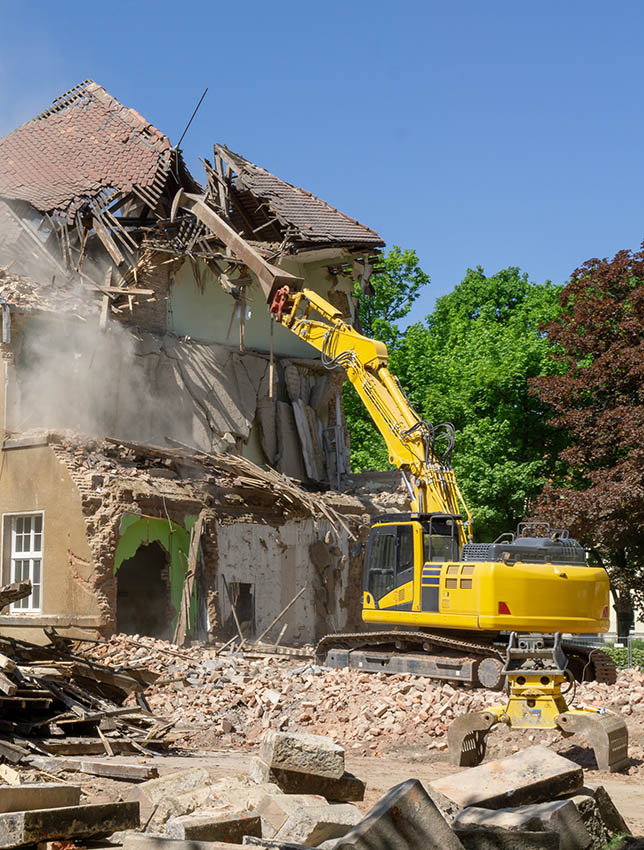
(396, 283)
(469, 363)
(598, 398)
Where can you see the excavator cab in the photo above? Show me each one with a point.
(403, 547)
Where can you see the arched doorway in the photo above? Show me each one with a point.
(143, 604)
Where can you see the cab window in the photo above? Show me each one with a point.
(437, 547)
(405, 548)
(381, 562)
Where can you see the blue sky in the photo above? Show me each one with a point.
(490, 134)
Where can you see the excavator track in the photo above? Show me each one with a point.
(590, 664)
(437, 656)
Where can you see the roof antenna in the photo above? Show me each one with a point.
(176, 147)
(205, 91)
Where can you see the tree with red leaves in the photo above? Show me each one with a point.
(598, 399)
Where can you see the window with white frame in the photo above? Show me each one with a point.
(26, 537)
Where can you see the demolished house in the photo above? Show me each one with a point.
(171, 459)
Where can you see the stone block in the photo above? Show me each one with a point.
(239, 791)
(501, 839)
(72, 822)
(48, 795)
(274, 809)
(215, 825)
(313, 824)
(534, 775)
(149, 794)
(406, 818)
(560, 816)
(347, 789)
(312, 754)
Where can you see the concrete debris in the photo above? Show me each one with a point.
(347, 789)
(275, 809)
(372, 712)
(302, 753)
(560, 816)
(314, 824)
(404, 819)
(499, 839)
(148, 795)
(69, 823)
(215, 825)
(17, 798)
(529, 776)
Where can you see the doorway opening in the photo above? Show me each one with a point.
(243, 601)
(143, 605)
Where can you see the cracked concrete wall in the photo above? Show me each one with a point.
(277, 562)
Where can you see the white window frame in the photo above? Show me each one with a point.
(31, 554)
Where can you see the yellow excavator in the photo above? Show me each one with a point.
(484, 614)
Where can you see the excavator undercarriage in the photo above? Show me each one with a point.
(450, 658)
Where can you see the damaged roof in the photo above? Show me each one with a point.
(86, 142)
(295, 214)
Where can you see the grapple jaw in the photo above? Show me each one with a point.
(535, 675)
(606, 732)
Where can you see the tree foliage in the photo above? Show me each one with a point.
(468, 363)
(598, 399)
(396, 282)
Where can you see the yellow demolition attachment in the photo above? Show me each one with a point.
(536, 674)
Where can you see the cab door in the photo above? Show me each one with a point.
(389, 571)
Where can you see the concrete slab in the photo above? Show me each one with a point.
(48, 795)
(213, 825)
(274, 809)
(534, 775)
(314, 754)
(149, 794)
(500, 839)
(32, 827)
(347, 789)
(406, 818)
(560, 816)
(314, 824)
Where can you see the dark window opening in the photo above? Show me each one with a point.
(243, 600)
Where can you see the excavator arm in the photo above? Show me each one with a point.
(412, 443)
(421, 451)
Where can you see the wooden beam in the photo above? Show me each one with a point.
(108, 243)
(270, 277)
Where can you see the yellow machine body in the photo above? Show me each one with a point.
(486, 596)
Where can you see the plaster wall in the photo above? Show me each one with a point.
(201, 309)
(278, 563)
(32, 479)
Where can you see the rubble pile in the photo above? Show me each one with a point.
(57, 702)
(235, 698)
(302, 797)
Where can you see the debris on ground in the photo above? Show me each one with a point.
(221, 699)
